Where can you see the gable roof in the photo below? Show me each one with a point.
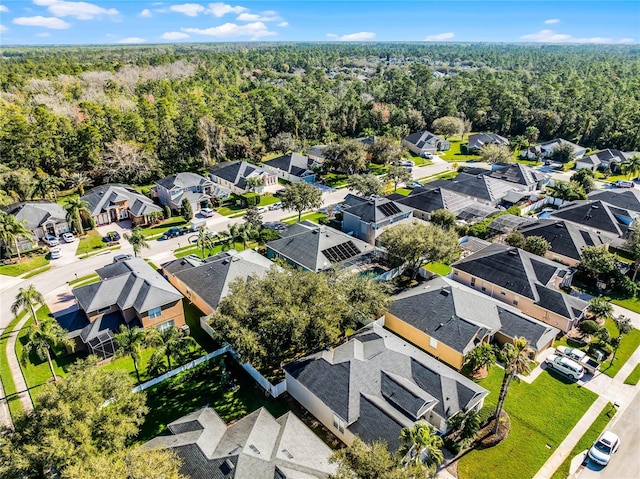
(317, 248)
(127, 284)
(379, 383)
(183, 180)
(607, 156)
(103, 197)
(565, 238)
(376, 209)
(292, 163)
(478, 140)
(597, 215)
(422, 138)
(551, 144)
(210, 279)
(524, 274)
(482, 187)
(518, 174)
(429, 199)
(256, 446)
(35, 214)
(237, 172)
(627, 198)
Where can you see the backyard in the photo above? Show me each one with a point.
(541, 414)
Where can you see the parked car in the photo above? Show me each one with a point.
(174, 232)
(276, 225)
(604, 447)
(122, 257)
(565, 366)
(275, 206)
(55, 252)
(580, 357)
(262, 209)
(414, 184)
(279, 192)
(193, 257)
(111, 236)
(623, 184)
(207, 212)
(406, 163)
(51, 240)
(68, 237)
(427, 155)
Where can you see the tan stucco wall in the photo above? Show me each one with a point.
(525, 305)
(173, 312)
(421, 339)
(192, 297)
(561, 258)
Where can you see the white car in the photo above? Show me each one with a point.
(427, 155)
(56, 252)
(207, 212)
(406, 163)
(51, 240)
(275, 206)
(262, 209)
(604, 447)
(68, 237)
(571, 353)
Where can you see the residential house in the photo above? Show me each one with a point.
(292, 167)
(198, 190)
(479, 187)
(599, 216)
(130, 292)
(366, 219)
(566, 239)
(116, 202)
(234, 175)
(317, 248)
(526, 178)
(603, 159)
(205, 283)
(256, 446)
(478, 140)
(544, 150)
(508, 223)
(626, 199)
(376, 384)
(318, 153)
(423, 142)
(530, 283)
(448, 320)
(39, 217)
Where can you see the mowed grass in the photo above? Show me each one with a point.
(238, 210)
(632, 304)
(204, 386)
(187, 250)
(438, 268)
(541, 414)
(629, 343)
(6, 377)
(25, 265)
(586, 440)
(311, 216)
(157, 230)
(85, 279)
(91, 242)
(634, 377)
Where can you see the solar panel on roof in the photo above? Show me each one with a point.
(389, 209)
(341, 252)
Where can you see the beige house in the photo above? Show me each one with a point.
(115, 202)
(234, 175)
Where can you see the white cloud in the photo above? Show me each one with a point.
(627, 40)
(145, 13)
(3, 8)
(551, 21)
(332, 35)
(78, 10)
(226, 30)
(189, 9)
(3, 29)
(220, 9)
(39, 21)
(174, 36)
(439, 37)
(549, 36)
(283, 24)
(132, 40)
(43, 34)
(254, 17)
(357, 36)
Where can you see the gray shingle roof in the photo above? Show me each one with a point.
(211, 279)
(102, 197)
(351, 376)
(627, 199)
(183, 180)
(596, 215)
(477, 141)
(376, 209)
(551, 144)
(292, 163)
(128, 284)
(422, 138)
(37, 213)
(236, 172)
(256, 446)
(429, 199)
(483, 187)
(306, 244)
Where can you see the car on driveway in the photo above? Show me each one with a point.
(406, 163)
(207, 212)
(276, 225)
(55, 252)
(427, 155)
(604, 447)
(565, 365)
(51, 240)
(623, 184)
(68, 237)
(111, 236)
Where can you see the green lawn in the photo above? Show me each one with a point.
(192, 390)
(157, 230)
(541, 413)
(632, 304)
(192, 317)
(454, 154)
(403, 191)
(438, 268)
(586, 440)
(634, 377)
(238, 210)
(194, 249)
(5, 372)
(25, 265)
(93, 277)
(311, 216)
(91, 242)
(36, 272)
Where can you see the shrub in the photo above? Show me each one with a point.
(166, 212)
(589, 326)
(250, 199)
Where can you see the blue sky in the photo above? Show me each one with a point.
(132, 21)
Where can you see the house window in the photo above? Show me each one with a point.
(338, 423)
(155, 312)
(515, 301)
(455, 273)
(503, 293)
(433, 342)
(484, 288)
(103, 310)
(473, 281)
(165, 325)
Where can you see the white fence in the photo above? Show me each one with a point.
(184, 367)
(540, 203)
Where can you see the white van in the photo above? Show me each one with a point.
(56, 252)
(565, 366)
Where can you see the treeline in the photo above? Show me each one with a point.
(182, 107)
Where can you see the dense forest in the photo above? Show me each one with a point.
(133, 113)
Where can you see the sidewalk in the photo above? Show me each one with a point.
(14, 365)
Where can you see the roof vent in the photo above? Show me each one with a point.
(254, 449)
(513, 252)
(444, 292)
(595, 207)
(235, 258)
(559, 225)
(287, 453)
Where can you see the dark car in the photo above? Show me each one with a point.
(279, 192)
(111, 237)
(171, 233)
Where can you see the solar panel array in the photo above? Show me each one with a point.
(341, 252)
(389, 209)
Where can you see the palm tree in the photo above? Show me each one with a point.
(567, 191)
(29, 297)
(600, 308)
(11, 230)
(245, 232)
(137, 240)
(466, 424)
(253, 183)
(233, 233)
(171, 342)
(42, 338)
(130, 341)
(631, 166)
(516, 361)
(480, 357)
(204, 240)
(75, 209)
(421, 444)
(79, 181)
